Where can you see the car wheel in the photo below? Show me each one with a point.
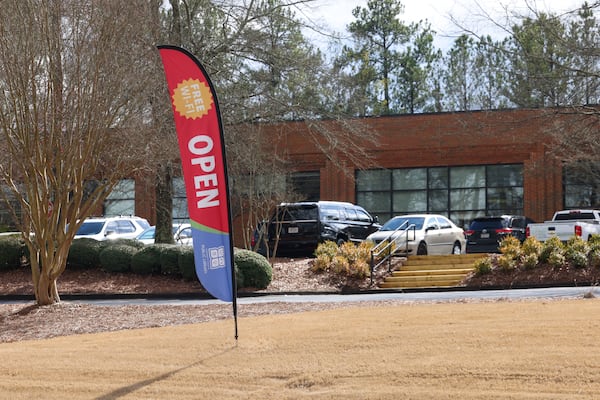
(340, 241)
(422, 249)
(456, 248)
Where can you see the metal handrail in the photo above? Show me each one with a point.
(386, 246)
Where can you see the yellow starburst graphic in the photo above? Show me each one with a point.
(192, 99)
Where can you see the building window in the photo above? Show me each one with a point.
(121, 201)
(181, 214)
(581, 184)
(306, 184)
(461, 193)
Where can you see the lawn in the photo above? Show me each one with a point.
(461, 350)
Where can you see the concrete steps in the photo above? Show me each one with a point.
(432, 271)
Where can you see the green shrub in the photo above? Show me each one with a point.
(594, 241)
(531, 246)
(594, 257)
(322, 263)
(556, 259)
(127, 242)
(576, 258)
(356, 269)
(551, 246)
(364, 250)
(147, 260)
(169, 260)
(187, 267)
(328, 249)
(12, 250)
(340, 265)
(85, 253)
(348, 259)
(507, 262)
(577, 244)
(510, 247)
(482, 266)
(349, 251)
(529, 261)
(253, 269)
(117, 257)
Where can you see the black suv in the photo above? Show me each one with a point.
(485, 233)
(300, 227)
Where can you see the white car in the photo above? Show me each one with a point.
(425, 234)
(105, 228)
(182, 234)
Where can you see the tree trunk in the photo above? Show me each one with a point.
(164, 204)
(46, 292)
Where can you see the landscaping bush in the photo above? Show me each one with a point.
(322, 263)
(550, 247)
(117, 257)
(127, 242)
(348, 259)
(327, 249)
(594, 258)
(85, 253)
(530, 261)
(364, 250)
(185, 260)
(577, 258)
(556, 259)
(577, 244)
(506, 262)
(253, 269)
(169, 259)
(340, 265)
(147, 260)
(12, 250)
(532, 246)
(483, 266)
(510, 247)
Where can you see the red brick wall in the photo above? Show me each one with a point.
(424, 140)
(444, 139)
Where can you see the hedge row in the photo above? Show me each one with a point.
(131, 256)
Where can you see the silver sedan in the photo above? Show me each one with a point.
(422, 234)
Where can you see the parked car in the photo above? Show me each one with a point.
(566, 224)
(105, 228)
(485, 233)
(426, 234)
(300, 227)
(182, 234)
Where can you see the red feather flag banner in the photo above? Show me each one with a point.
(200, 136)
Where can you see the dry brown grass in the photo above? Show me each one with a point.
(485, 350)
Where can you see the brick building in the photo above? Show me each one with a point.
(459, 164)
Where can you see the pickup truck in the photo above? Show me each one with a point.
(566, 224)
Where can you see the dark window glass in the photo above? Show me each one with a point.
(377, 179)
(406, 179)
(462, 193)
(306, 184)
(438, 178)
(504, 175)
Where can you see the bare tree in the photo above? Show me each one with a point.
(266, 71)
(71, 117)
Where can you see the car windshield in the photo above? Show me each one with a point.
(395, 222)
(147, 234)
(488, 223)
(90, 228)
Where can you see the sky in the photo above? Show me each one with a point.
(336, 14)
